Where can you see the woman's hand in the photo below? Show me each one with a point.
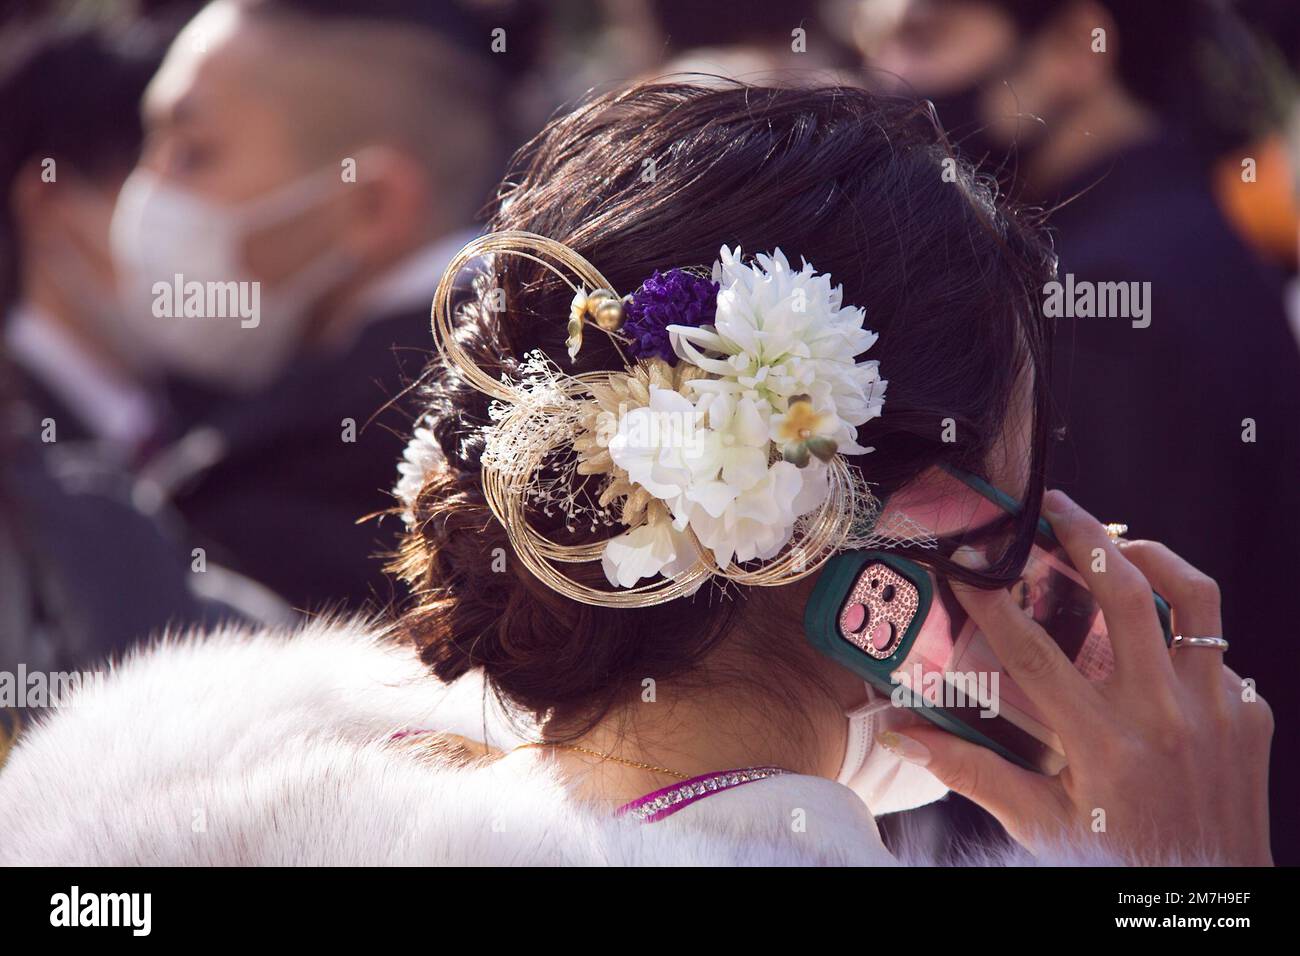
(1168, 758)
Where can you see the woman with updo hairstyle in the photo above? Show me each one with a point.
(603, 659)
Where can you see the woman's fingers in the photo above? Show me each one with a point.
(1195, 600)
(1013, 795)
(1030, 657)
(1120, 589)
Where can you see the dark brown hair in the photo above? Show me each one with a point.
(864, 187)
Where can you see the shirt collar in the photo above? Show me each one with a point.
(411, 283)
(112, 407)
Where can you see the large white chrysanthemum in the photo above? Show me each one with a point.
(779, 334)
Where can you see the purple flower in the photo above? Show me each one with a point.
(669, 298)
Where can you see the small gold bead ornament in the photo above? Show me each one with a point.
(601, 306)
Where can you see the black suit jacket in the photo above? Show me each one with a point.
(276, 490)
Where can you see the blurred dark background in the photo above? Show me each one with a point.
(157, 473)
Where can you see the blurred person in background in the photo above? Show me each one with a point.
(67, 146)
(83, 574)
(326, 160)
(1218, 85)
(580, 45)
(1264, 207)
(1112, 116)
(776, 40)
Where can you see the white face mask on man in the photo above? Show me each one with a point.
(187, 293)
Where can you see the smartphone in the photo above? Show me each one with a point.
(900, 627)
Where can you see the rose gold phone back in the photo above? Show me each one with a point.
(879, 610)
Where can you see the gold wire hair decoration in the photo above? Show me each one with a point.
(555, 256)
(529, 460)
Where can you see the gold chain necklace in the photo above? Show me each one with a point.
(606, 756)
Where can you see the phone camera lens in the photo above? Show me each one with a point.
(883, 636)
(888, 593)
(854, 619)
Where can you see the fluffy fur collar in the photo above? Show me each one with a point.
(272, 747)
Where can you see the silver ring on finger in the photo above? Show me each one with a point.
(1216, 643)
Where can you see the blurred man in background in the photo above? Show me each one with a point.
(312, 167)
(83, 574)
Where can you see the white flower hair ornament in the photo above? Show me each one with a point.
(716, 454)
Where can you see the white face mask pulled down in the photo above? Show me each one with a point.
(244, 332)
(886, 782)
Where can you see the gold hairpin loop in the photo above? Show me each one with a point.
(505, 491)
(554, 256)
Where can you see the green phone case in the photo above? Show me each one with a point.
(821, 625)
(834, 584)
